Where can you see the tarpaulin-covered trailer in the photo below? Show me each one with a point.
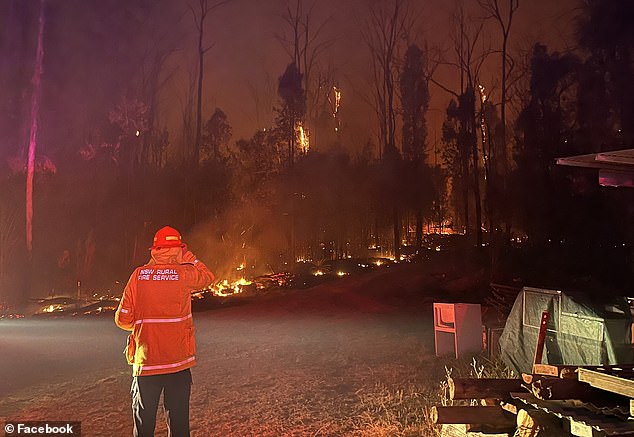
(583, 329)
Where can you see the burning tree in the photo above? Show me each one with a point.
(292, 110)
(502, 12)
(304, 43)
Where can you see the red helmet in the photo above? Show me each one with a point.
(167, 237)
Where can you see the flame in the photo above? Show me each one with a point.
(335, 102)
(243, 281)
(52, 308)
(483, 127)
(337, 93)
(226, 288)
(303, 137)
(483, 95)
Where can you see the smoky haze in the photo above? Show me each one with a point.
(96, 52)
(108, 64)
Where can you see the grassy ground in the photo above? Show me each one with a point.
(351, 357)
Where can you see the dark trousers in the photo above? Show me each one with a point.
(146, 391)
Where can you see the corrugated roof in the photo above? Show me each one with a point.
(604, 420)
(625, 156)
(616, 160)
(616, 168)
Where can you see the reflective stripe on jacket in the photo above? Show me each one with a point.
(156, 307)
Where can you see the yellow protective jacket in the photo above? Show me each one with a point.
(156, 307)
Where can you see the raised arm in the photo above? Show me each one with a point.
(199, 276)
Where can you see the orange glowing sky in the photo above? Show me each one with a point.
(247, 56)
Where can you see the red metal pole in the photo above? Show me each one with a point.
(543, 329)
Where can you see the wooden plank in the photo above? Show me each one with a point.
(560, 371)
(545, 369)
(613, 384)
(489, 402)
(612, 367)
(507, 406)
(553, 388)
(483, 388)
(526, 425)
(494, 416)
(453, 430)
(569, 372)
(490, 430)
(461, 430)
(533, 422)
(580, 429)
(631, 407)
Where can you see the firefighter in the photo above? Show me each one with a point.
(156, 307)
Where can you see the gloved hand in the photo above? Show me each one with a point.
(189, 257)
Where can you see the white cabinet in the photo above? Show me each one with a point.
(457, 328)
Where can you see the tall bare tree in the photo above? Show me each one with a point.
(502, 12)
(468, 59)
(389, 26)
(414, 93)
(304, 42)
(35, 109)
(161, 43)
(202, 11)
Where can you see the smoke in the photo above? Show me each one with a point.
(244, 240)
